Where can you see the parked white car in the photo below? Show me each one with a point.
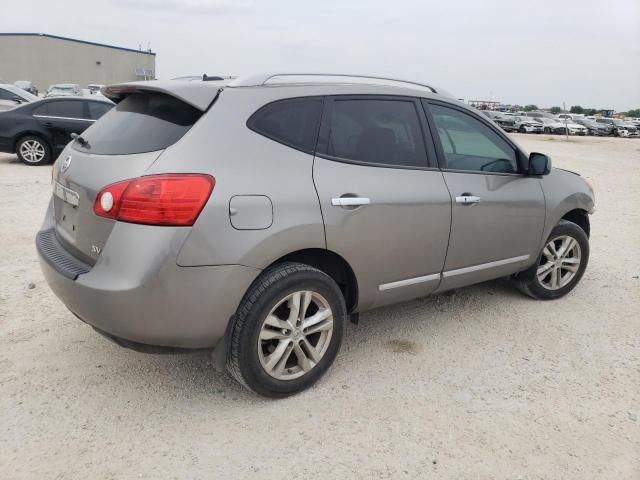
(527, 124)
(576, 128)
(626, 129)
(94, 88)
(551, 125)
(64, 90)
(12, 96)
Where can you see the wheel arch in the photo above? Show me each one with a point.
(580, 217)
(31, 133)
(333, 265)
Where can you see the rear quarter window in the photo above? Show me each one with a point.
(141, 122)
(98, 109)
(293, 122)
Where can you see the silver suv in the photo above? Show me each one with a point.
(256, 215)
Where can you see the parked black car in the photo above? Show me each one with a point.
(38, 131)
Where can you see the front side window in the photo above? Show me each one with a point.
(469, 144)
(382, 132)
(294, 122)
(65, 109)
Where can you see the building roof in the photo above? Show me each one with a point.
(145, 52)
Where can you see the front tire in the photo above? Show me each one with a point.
(287, 330)
(560, 264)
(33, 150)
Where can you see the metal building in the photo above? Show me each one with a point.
(48, 59)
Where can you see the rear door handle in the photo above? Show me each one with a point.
(48, 124)
(467, 199)
(350, 201)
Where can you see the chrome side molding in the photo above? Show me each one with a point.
(485, 266)
(452, 273)
(409, 281)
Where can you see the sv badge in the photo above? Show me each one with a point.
(95, 249)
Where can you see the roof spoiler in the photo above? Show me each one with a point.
(197, 94)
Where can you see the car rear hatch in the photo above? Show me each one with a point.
(122, 145)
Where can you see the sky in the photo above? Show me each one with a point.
(543, 52)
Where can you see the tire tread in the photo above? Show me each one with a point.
(269, 277)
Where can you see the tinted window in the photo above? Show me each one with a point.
(41, 109)
(6, 95)
(293, 122)
(385, 132)
(469, 144)
(97, 109)
(142, 122)
(67, 109)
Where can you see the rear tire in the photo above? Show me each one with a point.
(33, 150)
(287, 330)
(560, 264)
(522, 129)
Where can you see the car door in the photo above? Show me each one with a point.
(497, 212)
(384, 203)
(62, 118)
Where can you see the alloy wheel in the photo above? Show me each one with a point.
(32, 151)
(560, 262)
(295, 335)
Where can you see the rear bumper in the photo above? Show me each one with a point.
(136, 292)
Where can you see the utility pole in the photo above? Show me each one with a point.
(566, 129)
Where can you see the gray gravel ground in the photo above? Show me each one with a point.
(481, 384)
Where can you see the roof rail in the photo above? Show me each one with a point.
(263, 79)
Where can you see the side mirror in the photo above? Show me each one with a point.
(539, 164)
(17, 99)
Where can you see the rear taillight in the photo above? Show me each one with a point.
(172, 199)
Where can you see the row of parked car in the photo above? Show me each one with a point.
(544, 122)
(24, 91)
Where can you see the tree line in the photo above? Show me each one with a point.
(577, 109)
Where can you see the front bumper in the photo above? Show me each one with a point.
(628, 133)
(137, 292)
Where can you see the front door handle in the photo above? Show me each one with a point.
(467, 199)
(350, 201)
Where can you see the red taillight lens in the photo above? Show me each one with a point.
(173, 199)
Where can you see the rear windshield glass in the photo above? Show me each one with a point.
(142, 122)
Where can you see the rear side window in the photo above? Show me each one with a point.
(294, 122)
(142, 122)
(97, 109)
(382, 132)
(63, 109)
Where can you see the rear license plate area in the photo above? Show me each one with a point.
(66, 205)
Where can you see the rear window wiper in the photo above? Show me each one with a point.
(80, 140)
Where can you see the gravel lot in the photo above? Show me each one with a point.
(483, 383)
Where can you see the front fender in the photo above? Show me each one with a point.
(564, 191)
